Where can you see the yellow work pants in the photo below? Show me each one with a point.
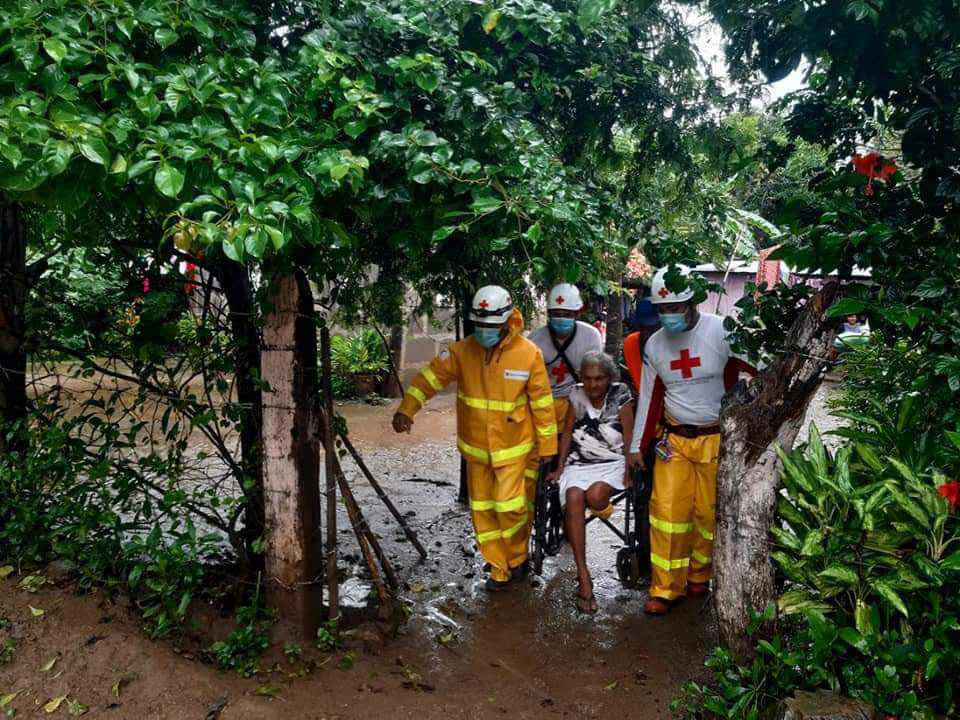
(561, 406)
(498, 504)
(683, 515)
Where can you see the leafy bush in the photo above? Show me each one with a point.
(868, 550)
(362, 353)
(243, 647)
(359, 354)
(61, 502)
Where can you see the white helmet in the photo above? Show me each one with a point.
(660, 294)
(564, 297)
(491, 304)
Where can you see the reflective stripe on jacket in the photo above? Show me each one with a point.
(504, 405)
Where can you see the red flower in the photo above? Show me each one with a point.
(951, 491)
(873, 166)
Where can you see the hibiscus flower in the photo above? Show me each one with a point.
(951, 491)
(872, 165)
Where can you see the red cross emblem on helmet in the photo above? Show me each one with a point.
(663, 292)
(484, 304)
(560, 300)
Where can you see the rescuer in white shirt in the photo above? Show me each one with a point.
(687, 368)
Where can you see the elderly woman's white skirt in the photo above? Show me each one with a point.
(583, 476)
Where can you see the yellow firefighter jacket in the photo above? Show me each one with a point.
(504, 405)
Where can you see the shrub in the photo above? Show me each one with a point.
(362, 353)
(868, 552)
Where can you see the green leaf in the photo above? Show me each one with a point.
(485, 204)
(233, 249)
(854, 639)
(169, 180)
(427, 82)
(276, 235)
(954, 437)
(355, 129)
(55, 49)
(890, 595)
(840, 573)
(95, 150)
(913, 508)
(174, 99)
(165, 37)
(951, 562)
(139, 168)
(490, 21)
(846, 306)
(441, 234)
(12, 154)
(812, 544)
(339, 171)
(119, 164)
(869, 456)
(126, 25)
(535, 233)
(256, 243)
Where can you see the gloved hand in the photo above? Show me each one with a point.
(402, 423)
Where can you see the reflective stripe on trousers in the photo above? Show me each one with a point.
(683, 515)
(500, 516)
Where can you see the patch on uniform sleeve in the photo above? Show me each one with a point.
(516, 375)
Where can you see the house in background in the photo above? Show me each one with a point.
(734, 279)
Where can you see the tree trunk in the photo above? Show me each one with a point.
(392, 387)
(235, 281)
(755, 419)
(13, 293)
(614, 341)
(466, 302)
(291, 452)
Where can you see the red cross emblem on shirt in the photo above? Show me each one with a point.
(559, 372)
(663, 292)
(559, 299)
(685, 364)
(484, 304)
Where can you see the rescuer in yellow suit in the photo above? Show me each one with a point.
(504, 414)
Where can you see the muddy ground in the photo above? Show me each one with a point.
(461, 654)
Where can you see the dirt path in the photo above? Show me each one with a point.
(461, 654)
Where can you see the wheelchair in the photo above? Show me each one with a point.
(633, 559)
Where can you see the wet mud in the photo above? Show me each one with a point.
(462, 653)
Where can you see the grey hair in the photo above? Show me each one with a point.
(603, 361)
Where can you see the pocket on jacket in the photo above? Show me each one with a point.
(518, 415)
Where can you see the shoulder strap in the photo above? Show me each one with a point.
(562, 351)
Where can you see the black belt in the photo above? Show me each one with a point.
(693, 431)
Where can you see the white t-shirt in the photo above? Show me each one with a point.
(585, 339)
(685, 372)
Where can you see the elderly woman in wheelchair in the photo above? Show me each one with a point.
(592, 463)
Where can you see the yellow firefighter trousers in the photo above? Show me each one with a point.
(683, 515)
(561, 406)
(498, 504)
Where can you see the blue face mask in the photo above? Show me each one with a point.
(674, 322)
(562, 325)
(487, 337)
